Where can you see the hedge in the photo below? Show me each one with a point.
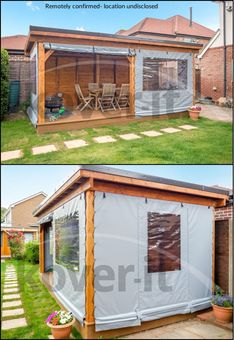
(4, 82)
(32, 252)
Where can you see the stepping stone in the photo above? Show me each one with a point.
(11, 285)
(77, 143)
(10, 281)
(11, 297)
(43, 149)
(170, 130)
(151, 133)
(104, 139)
(187, 127)
(130, 136)
(10, 290)
(8, 155)
(12, 304)
(12, 312)
(15, 323)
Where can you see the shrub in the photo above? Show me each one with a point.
(32, 252)
(4, 82)
(24, 105)
(16, 243)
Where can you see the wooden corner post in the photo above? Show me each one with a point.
(41, 83)
(41, 249)
(213, 254)
(89, 280)
(132, 84)
(194, 78)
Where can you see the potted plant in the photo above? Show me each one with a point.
(60, 323)
(194, 112)
(222, 305)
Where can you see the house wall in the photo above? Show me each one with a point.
(224, 248)
(229, 24)
(22, 213)
(63, 72)
(212, 62)
(19, 70)
(212, 73)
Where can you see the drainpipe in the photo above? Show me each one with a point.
(225, 50)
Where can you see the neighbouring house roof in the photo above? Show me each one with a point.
(48, 34)
(171, 26)
(131, 178)
(23, 200)
(14, 42)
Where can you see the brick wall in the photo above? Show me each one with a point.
(22, 213)
(20, 70)
(212, 73)
(224, 248)
(224, 213)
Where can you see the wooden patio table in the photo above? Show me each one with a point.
(96, 94)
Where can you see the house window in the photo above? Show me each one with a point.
(28, 237)
(164, 74)
(67, 241)
(163, 242)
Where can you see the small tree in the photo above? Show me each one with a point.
(4, 82)
(16, 243)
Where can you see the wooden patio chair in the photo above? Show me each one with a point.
(93, 87)
(84, 101)
(122, 99)
(106, 101)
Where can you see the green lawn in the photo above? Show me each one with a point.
(211, 143)
(37, 303)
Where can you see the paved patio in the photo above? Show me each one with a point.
(215, 112)
(190, 329)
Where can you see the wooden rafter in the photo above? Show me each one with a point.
(48, 54)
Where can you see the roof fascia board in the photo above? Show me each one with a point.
(35, 32)
(84, 172)
(210, 43)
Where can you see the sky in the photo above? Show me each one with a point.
(17, 16)
(21, 181)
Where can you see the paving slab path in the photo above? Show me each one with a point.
(79, 143)
(16, 315)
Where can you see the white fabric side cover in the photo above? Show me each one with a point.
(121, 243)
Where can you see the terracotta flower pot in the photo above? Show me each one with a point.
(61, 331)
(223, 314)
(194, 115)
